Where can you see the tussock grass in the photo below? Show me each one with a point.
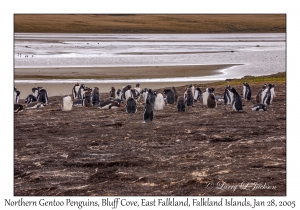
(162, 23)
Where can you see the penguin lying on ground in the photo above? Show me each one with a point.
(110, 104)
(259, 107)
(18, 108)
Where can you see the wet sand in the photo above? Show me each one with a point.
(127, 72)
(139, 72)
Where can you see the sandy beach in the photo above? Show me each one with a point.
(138, 72)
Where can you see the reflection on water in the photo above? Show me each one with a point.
(262, 54)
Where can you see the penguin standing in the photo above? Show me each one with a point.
(211, 101)
(246, 91)
(181, 106)
(95, 96)
(75, 91)
(87, 97)
(112, 92)
(206, 94)
(237, 101)
(81, 91)
(42, 96)
(118, 93)
(131, 106)
(228, 95)
(151, 97)
(35, 91)
(175, 94)
(170, 98)
(124, 89)
(259, 97)
(192, 88)
(198, 94)
(16, 96)
(148, 112)
(189, 97)
(268, 95)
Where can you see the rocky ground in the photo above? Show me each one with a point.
(203, 151)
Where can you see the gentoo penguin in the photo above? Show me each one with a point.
(95, 96)
(246, 91)
(18, 108)
(148, 112)
(114, 99)
(228, 95)
(110, 104)
(34, 105)
(268, 95)
(206, 94)
(87, 97)
(211, 101)
(16, 96)
(132, 93)
(131, 106)
(159, 101)
(259, 107)
(170, 98)
(138, 89)
(42, 96)
(181, 106)
(151, 97)
(78, 102)
(35, 91)
(219, 98)
(237, 101)
(81, 91)
(30, 98)
(118, 94)
(144, 93)
(175, 94)
(113, 92)
(189, 97)
(124, 89)
(75, 91)
(67, 103)
(198, 94)
(192, 88)
(259, 94)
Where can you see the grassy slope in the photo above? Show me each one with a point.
(183, 23)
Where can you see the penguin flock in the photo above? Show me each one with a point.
(129, 97)
(36, 99)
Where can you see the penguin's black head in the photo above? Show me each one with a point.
(137, 85)
(234, 91)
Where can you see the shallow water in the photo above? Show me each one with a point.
(261, 54)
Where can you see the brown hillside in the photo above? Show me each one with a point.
(178, 23)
